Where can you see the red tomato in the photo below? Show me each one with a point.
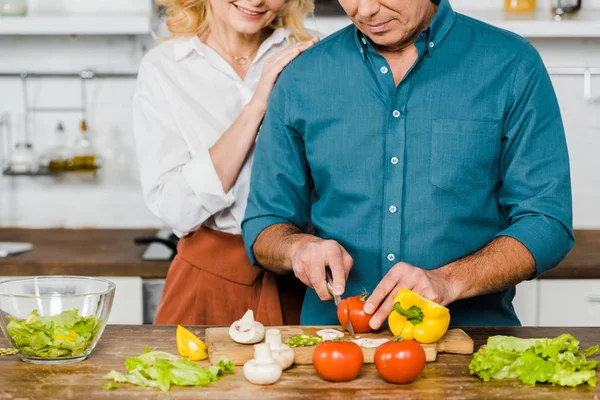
(353, 307)
(400, 362)
(338, 361)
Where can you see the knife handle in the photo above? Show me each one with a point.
(329, 280)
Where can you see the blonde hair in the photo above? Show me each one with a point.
(190, 17)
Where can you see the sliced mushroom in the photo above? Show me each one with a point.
(370, 343)
(247, 330)
(329, 334)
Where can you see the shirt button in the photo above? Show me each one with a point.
(431, 44)
(394, 160)
(396, 113)
(364, 41)
(393, 209)
(384, 70)
(391, 257)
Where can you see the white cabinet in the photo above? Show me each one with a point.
(526, 302)
(128, 303)
(569, 302)
(559, 302)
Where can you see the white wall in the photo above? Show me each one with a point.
(114, 200)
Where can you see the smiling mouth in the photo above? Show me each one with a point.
(376, 26)
(249, 12)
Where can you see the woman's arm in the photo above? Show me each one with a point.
(184, 190)
(181, 189)
(230, 151)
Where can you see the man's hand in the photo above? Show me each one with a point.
(309, 259)
(432, 285)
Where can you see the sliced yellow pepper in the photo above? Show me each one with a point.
(189, 345)
(415, 317)
(72, 336)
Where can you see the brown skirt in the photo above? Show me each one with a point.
(212, 282)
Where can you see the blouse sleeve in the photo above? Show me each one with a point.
(180, 189)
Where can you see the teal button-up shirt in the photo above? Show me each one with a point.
(469, 146)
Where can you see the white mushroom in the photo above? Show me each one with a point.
(370, 343)
(247, 330)
(329, 334)
(279, 351)
(263, 369)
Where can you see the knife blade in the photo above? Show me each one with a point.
(336, 298)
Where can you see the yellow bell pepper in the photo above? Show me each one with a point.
(415, 317)
(189, 345)
(72, 336)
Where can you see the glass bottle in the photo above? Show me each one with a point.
(560, 7)
(13, 8)
(60, 155)
(84, 156)
(520, 6)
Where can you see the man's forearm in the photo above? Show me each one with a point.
(501, 264)
(276, 244)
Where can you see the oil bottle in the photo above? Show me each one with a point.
(84, 156)
(60, 155)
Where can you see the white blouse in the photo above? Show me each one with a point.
(186, 97)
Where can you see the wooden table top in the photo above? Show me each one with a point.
(88, 252)
(110, 252)
(447, 378)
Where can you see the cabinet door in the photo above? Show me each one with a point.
(570, 302)
(127, 306)
(526, 302)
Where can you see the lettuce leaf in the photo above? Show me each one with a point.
(557, 361)
(158, 369)
(64, 335)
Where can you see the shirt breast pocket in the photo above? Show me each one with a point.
(462, 153)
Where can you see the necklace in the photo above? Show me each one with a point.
(240, 60)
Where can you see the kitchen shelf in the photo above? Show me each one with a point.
(76, 24)
(40, 172)
(542, 24)
(44, 171)
(539, 25)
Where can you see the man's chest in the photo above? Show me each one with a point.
(437, 127)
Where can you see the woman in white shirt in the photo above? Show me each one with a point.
(199, 102)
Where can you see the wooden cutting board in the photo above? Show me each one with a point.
(455, 341)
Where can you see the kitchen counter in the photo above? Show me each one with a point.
(447, 378)
(111, 252)
(583, 262)
(90, 252)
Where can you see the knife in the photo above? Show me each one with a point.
(336, 298)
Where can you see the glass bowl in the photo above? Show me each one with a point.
(54, 319)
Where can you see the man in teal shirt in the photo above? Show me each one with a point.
(427, 151)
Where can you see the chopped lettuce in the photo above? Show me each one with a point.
(557, 361)
(158, 369)
(64, 335)
(110, 386)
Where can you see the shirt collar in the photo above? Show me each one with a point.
(435, 32)
(440, 26)
(184, 46)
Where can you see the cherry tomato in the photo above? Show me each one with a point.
(353, 307)
(400, 362)
(338, 361)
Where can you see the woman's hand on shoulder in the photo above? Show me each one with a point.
(271, 70)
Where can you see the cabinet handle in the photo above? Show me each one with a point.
(594, 298)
